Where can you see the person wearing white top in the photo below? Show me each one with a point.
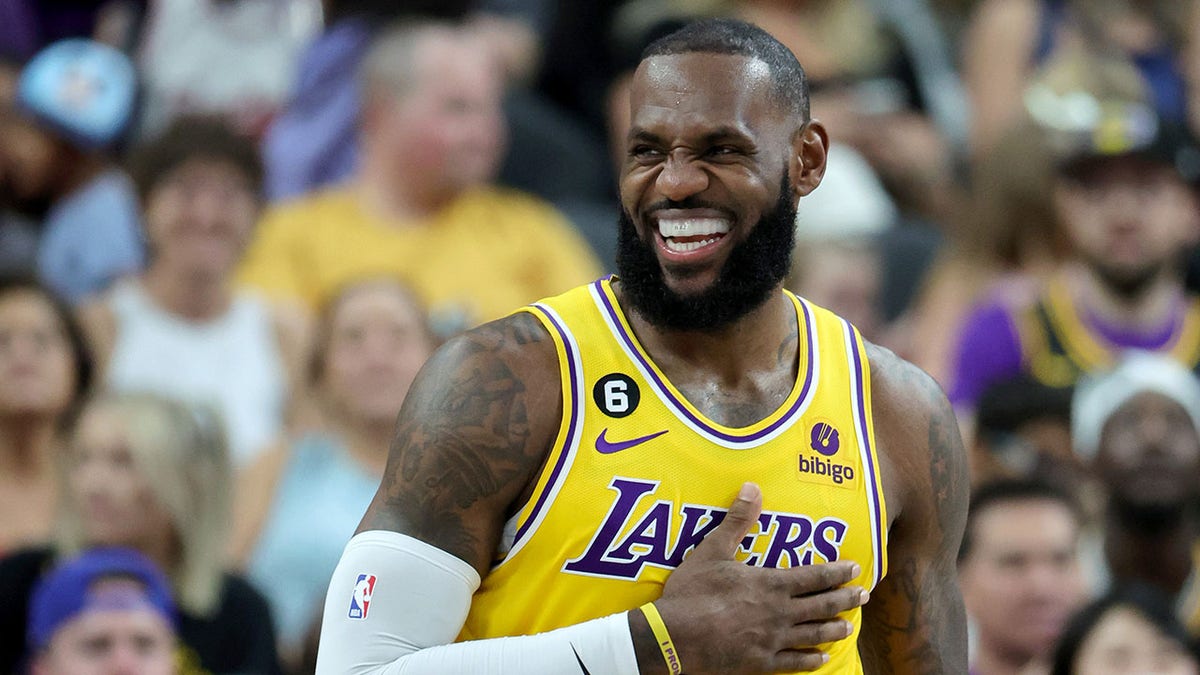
(180, 328)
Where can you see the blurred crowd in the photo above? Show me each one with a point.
(232, 231)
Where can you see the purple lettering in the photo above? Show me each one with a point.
(792, 534)
(650, 534)
(826, 546)
(593, 561)
(648, 541)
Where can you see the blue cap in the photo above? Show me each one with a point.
(83, 89)
(68, 590)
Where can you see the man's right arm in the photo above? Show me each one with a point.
(474, 430)
(471, 437)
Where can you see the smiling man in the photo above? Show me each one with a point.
(680, 469)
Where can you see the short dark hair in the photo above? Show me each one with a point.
(81, 353)
(730, 36)
(1150, 603)
(1008, 491)
(193, 137)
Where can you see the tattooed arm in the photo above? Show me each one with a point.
(915, 621)
(475, 428)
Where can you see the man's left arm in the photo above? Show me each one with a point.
(915, 621)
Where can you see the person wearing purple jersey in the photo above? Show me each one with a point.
(1125, 199)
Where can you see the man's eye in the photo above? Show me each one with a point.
(722, 150)
(644, 152)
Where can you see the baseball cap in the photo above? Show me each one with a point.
(1099, 395)
(83, 89)
(69, 590)
(1091, 108)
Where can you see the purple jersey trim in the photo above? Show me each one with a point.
(573, 426)
(864, 433)
(660, 385)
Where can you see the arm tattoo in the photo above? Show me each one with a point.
(463, 443)
(915, 622)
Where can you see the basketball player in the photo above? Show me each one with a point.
(577, 473)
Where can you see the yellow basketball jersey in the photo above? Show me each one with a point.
(638, 476)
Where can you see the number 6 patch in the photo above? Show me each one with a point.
(616, 395)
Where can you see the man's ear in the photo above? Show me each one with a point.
(809, 151)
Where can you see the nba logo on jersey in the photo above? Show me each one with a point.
(360, 600)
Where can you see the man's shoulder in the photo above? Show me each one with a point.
(905, 401)
(918, 441)
(895, 378)
(520, 341)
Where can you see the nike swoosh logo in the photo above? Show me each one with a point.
(607, 447)
(581, 666)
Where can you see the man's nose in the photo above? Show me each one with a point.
(123, 660)
(681, 178)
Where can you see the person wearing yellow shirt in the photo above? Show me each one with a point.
(421, 206)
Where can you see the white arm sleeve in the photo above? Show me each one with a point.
(396, 604)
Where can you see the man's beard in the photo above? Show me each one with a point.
(1128, 283)
(1152, 517)
(754, 269)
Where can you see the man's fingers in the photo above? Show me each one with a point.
(798, 661)
(815, 633)
(827, 605)
(722, 542)
(810, 579)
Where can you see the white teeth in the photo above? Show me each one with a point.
(691, 227)
(684, 247)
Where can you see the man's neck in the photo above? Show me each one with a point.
(760, 341)
(26, 447)
(367, 444)
(990, 660)
(396, 200)
(193, 297)
(1149, 308)
(1159, 555)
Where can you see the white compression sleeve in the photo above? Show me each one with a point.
(396, 604)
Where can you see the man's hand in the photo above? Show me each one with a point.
(727, 617)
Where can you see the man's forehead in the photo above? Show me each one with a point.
(725, 89)
(1004, 520)
(690, 73)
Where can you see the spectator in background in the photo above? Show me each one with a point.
(313, 143)
(1022, 430)
(1129, 630)
(999, 250)
(151, 474)
(181, 328)
(421, 205)
(45, 368)
(104, 612)
(837, 263)
(233, 59)
(1008, 39)
(1121, 193)
(19, 233)
(298, 506)
(74, 102)
(1138, 426)
(1019, 573)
